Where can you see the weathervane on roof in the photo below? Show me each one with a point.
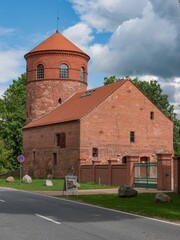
(57, 30)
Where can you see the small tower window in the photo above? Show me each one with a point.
(132, 137)
(152, 115)
(64, 71)
(95, 152)
(82, 74)
(59, 100)
(40, 71)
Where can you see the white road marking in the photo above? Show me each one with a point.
(2, 200)
(48, 219)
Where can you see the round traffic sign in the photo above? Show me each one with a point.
(21, 158)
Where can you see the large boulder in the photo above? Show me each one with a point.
(27, 179)
(162, 198)
(10, 179)
(48, 183)
(126, 191)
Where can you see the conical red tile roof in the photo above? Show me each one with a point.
(56, 42)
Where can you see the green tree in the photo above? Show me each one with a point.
(177, 137)
(4, 158)
(12, 118)
(154, 92)
(112, 79)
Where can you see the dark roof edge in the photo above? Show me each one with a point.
(49, 124)
(83, 54)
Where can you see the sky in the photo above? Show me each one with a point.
(136, 38)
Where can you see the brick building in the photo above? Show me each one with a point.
(73, 130)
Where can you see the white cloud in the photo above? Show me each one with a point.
(143, 46)
(11, 59)
(5, 31)
(144, 39)
(2, 90)
(12, 64)
(145, 36)
(107, 15)
(80, 34)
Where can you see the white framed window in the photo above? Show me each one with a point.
(64, 71)
(40, 71)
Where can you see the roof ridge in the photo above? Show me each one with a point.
(81, 105)
(102, 100)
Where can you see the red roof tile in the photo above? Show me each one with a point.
(56, 42)
(77, 106)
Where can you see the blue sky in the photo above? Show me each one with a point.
(121, 37)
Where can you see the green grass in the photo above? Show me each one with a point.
(143, 204)
(38, 185)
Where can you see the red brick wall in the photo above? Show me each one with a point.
(42, 142)
(108, 127)
(86, 173)
(101, 174)
(104, 174)
(164, 172)
(119, 175)
(177, 174)
(43, 95)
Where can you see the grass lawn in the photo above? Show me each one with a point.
(143, 204)
(38, 185)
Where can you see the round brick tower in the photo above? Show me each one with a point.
(56, 69)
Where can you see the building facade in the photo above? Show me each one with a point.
(69, 126)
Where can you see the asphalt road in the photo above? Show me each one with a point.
(25, 215)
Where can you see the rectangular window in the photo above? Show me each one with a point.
(132, 137)
(34, 156)
(152, 115)
(58, 140)
(55, 158)
(61, 140)
(95, 152)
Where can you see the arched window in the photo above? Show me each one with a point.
(64, 71)
(124, 160)
(82, 74)
(40, 71)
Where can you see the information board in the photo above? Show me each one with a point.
(70, 184)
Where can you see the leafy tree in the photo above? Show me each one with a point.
(12, 118)
(154, 92)
(177, 137)
(4, 158)
(111, 79)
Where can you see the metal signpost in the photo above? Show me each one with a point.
(20, 159)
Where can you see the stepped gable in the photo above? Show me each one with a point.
(77, 106)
